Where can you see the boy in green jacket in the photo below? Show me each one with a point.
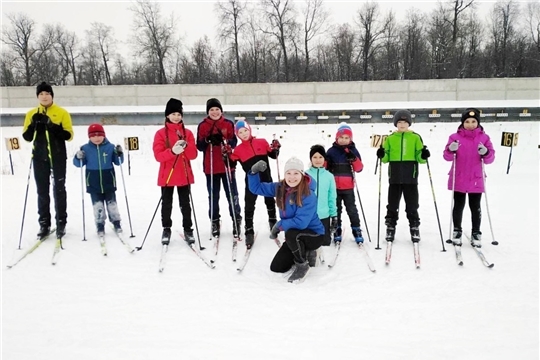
(403, 150)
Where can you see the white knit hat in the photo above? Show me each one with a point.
(294, 163)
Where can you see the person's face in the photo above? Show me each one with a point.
(175, 117)
(293, 177)
(45, 98)
(402, 126)
(214, 113)
(317, 160)
(97, 139)
(244, 134)
(344, 139)
(470, 124)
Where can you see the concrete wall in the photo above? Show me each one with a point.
(283, 93)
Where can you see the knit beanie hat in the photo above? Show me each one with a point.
(317, 149)
(173, 105)
(404, 115)
(213, 102)
(96, 130)
(344, 129)
(294, 163)
(470, 113)
(44, 87)
(241, 124)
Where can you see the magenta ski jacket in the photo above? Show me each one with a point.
(469, 177)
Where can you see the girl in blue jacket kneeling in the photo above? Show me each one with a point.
(99, 155)
(297, 204)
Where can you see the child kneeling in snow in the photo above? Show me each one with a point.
(297, 204)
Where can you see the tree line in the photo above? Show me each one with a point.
(282, 41)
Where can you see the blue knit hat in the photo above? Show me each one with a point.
(241, 124)
(344, 129)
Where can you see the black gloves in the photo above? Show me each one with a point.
(259, 166)
(214, 139)
(275, 144)
(380, 153)
(425, 153)
(119, 150)
(333, 224)
(226, 151)
(349, 155)
(39, 121)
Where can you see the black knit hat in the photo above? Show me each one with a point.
(213, 102)
(317, 149)
(44, 87)
(173, 105)
(470, 113)
(404, 115)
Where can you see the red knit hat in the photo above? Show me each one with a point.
(96, 130)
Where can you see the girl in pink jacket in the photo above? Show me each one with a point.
(469, 146)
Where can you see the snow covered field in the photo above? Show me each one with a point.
(90, 307)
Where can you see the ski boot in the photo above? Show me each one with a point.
(271, 223)
(300, 272)
(250, 237)
(415, 234)
(357, 233)
(44, 231)
(117, 226)
(60, 229)
(476, 238)
(337, 235)
(101, 229)
(166, 236)
(390, 233)
(456, 237)
(237, 228)
(188, 237)
(215, 228)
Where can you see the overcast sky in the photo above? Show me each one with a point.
(195, 18)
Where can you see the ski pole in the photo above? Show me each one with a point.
(25, 200)
(435, 203)
(127, 203)
(212, 187)
(82, 200)
(379, 205)
(360, 201)
(277, 162)
(228, 175)
(493, 242)
(139, 248)
(449, 241)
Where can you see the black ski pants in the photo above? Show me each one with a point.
(249, 207)
(42, 175)
(213, 185)
(474, 205)
(167, 194)
(294, 249)
(347, 198)
(410, 194)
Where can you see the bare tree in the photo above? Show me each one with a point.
(439, 34)
(282, 25)
(344, 45)
(66, 46)
(153, 35)
(315, 16)
(102, 37)
(532, 15)
(414, 54)
(370, 32)
(20, 38)
(504, 15)
(230, 27)
(389, 68)
(7, 64)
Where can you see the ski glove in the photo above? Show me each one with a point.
(333, 224)
(214, 139)
(80, 154)
(40, 119)
(274, 232)
(276, 144)
(119, 150)
(226, 150)
(349, 155)
(380, 153)
(482, 150)
(179, 146)
(259, 166)
(453, 146)
(425, 153)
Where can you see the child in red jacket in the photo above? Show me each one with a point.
(174, 148)
(249, 152)
(213, 133)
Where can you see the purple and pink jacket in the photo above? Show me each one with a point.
(469, 177)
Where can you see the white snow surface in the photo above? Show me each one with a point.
(91, 307)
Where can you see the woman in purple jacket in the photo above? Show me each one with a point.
(468, 148)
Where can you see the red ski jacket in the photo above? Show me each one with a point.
(208, 127)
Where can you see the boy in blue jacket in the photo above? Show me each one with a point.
(99, 155)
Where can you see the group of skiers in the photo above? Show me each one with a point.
(309, 201)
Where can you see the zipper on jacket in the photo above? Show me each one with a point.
(99, 167)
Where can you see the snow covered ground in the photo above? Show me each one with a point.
(120, 307)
